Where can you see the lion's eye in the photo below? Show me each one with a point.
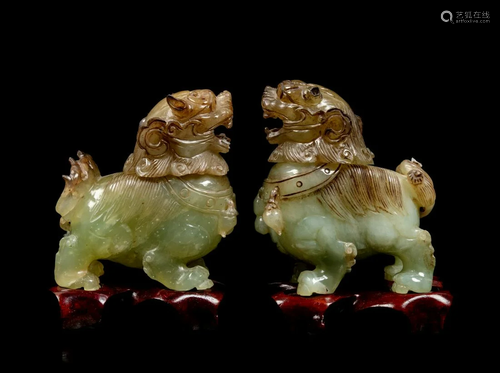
(315, 91)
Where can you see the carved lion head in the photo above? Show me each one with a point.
(177, 136)
(318, 125)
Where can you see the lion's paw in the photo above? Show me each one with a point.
(412, 281)
(195, 277)
(207, 284)
(89, 282)
(309, 283)
(391, 270)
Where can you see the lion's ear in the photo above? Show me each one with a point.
(175, 103)
(151, 138)
(152, 154)
(336, 127)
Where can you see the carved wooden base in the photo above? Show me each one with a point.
(136, 322)
(194, 309)
(197, 310)
(412, 313)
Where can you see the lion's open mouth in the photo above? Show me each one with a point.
(273, 107)
(269, 99)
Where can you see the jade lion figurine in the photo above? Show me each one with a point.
(169, 207)
(323, 203)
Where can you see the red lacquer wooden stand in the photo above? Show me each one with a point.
(196, 309)
(424, 312)
(199, 309)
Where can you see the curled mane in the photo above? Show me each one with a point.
(170, 163)
(344, 147)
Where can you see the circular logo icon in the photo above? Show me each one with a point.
(447, 16)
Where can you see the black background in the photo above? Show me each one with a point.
(423, 88)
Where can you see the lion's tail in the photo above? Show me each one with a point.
(83, 175)
(421, 183)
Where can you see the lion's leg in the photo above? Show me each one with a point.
(298, 267)
(329, 271)
(174, 273)
(198, 262)
(411, 247)
(417, 257)
(76, 267)
(315, 238)
(393, 269)
(175, 259)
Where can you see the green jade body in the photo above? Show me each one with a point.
(305, 228)
(164, 225)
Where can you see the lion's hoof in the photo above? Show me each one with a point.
(309, 283)
(400, 289)
(417, 282)
(89, 281)
(207, 284)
